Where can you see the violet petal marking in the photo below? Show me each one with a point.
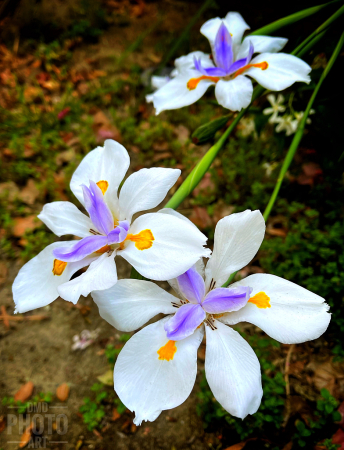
(117, 235)
(250, 53)
(184, 322)
(124, 224)
(242, 62)
(209, 71)
(81, 249)
(223, 48)
(192, 286)
(96, 207)
(222, 300)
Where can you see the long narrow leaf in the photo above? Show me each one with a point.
(297, 139)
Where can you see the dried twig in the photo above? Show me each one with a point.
(287, 384)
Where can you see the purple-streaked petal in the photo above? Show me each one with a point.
(117, 235)
(250, 53)
(191, 284)
(184, 322)
(209, 71)
(81, 249)
(222, 300)
(124, 224)
(223, 48)
(96, 207)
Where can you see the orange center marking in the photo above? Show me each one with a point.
(167, 351)
(193, 82)
(263, 65)
(59, 267)
(143, 240)
(104, 249)
(103, 185)
(261, 300)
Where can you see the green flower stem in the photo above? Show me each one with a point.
(288, 20)
(202, 167)
(299, 133)
(319, 30)
(297, 138)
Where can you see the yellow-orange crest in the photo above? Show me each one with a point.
(59, 267)
(103, 185)
(263, 65)
(143, 240)
(167, 351)
(193, 82)
(261, 300)
(104, 249)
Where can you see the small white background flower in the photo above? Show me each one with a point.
(158, 245)
(156, 369)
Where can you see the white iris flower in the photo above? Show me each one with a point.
(229, 67)
(159, 246)
(156, 369)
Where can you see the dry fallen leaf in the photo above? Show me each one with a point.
(115, 415)
(3, 272)
(23, 224)
(24, 392)
(30, 193)
(62, 392)
(26, 436)
(106, 378)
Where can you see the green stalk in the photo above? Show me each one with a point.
(202, 167)
(296, 140)
(288, 20)
(299, 133)
(320, 29)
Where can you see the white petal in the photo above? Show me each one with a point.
(236, 241)
(176, 247)
(36, 285)
(199, 265)
(233, 371)
(234, 23)
(65, 218)
(261, 44)
(145, 190)
(158, 82)
(101, 274)
(234, 94)
(237, 26)
(148, 385)
(188, 62)
(175, 94)
(283, 70)
(296, 315)
(109, 163)
(129, 304)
